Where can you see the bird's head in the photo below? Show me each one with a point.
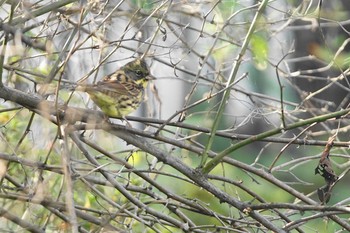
(138, 71)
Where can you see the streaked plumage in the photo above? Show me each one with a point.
(121, 92)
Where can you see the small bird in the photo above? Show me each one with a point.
(120, 93)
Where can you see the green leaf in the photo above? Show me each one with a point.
(259, 48)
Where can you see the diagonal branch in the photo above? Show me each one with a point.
(231, 79)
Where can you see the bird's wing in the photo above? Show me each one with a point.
(112, 88)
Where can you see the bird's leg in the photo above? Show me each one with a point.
(127, 122)
(106, 119)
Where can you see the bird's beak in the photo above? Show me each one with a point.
(151, 77)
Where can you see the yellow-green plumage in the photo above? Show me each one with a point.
(121, 92)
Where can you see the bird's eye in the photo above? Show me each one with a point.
(138, 72)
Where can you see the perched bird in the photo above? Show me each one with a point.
(120, 93)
